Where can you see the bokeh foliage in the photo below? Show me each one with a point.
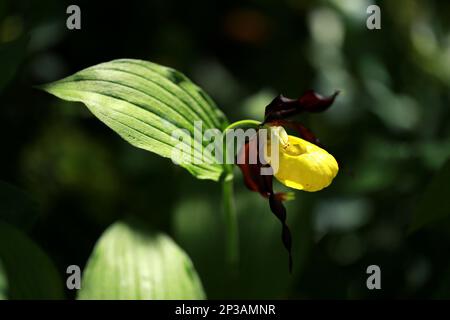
(389, 129)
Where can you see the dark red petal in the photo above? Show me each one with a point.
(314, 102)
(252, 172)
(282, 107)
(263, 184)
(277, 207)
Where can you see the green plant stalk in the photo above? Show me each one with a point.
(232, 234)
(243, 123)
(231, 225)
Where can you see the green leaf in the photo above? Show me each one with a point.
(132, 262)
(432, 206)
(27, 272)
(144, 103)
(16, 207)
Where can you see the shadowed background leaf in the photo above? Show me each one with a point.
(434, 205)
(27, 271)
(11, 55)
(16, 207)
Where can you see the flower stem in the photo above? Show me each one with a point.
(243, 123)
(232, 236)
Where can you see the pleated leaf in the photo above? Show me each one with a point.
(132, 262)
(144, 103)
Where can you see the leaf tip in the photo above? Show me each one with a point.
(43, 87)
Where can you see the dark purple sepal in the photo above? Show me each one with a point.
(282, 107)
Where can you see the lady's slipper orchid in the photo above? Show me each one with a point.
(302, 163)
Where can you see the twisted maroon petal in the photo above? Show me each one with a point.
(282, 107)
(263, 184)
(252, 172)
(277, 207)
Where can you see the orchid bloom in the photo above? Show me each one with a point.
(303, 164)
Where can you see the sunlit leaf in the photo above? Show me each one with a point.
(144, 103)
(27, 271)
(131, 262)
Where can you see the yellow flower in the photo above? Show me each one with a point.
(301, 164)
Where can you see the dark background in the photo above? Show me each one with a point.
(389, 129)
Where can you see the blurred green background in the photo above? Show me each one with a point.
(389, 128)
